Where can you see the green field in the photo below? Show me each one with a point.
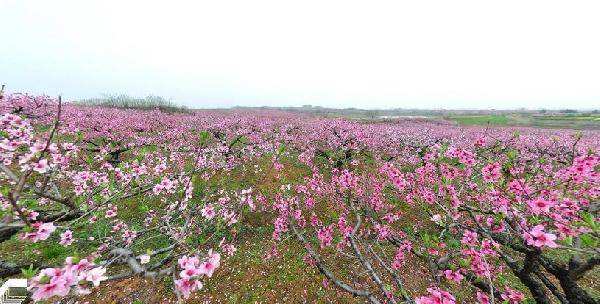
(568, 121)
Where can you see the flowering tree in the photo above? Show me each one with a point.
(58, 186)
(478, 213)
(503, 213)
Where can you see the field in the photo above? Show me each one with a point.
(107, 204)
(564, 121)
(555, 119)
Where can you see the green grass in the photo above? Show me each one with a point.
(481, 120)
(567, 121)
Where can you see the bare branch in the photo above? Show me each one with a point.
(325, 271)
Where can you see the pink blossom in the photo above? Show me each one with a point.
(436, 296)
(207, 268)
(66, 238)
(96, 275)
(9, 145)
(37, 147)
(111, 212)
(482, 298)
(540, 206)
(455, 276)
(187, 286)
(32, 215)
(190, 272)
(208, 211)
(539, 238)
(325, 236)
(398, 259)
(188, 262)
(469, 238)
(59, 281)
(512, 296)
(43, 232)
(41, 166)
(56, 287)
(491, 172)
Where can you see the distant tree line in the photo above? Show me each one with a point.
(144, 103)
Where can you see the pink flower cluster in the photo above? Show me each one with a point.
(42, 232)
(74, 275)
(491, 172)
(193, 270)
(325, 236)
(436, 296)
(539, 238)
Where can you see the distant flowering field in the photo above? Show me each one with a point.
(508, 214)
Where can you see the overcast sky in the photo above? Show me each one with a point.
(367, 54)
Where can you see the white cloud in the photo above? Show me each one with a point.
(429, 54)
